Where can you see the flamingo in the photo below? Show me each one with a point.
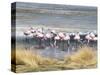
(39, 37)
(34, 34)
(32, 30)
(94, 39)
(67, 39)
(53, 34)
(56, 39)
(92, 35)
(62, 36)
(88, 38)
(27, 34)
(53, 31)
(77, 39)
(40, 30)
(48, 37)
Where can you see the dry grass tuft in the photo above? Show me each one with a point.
(84, 57)
(27, 60)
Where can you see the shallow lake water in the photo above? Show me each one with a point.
(69, 18)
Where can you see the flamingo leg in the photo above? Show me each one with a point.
(68, 46)
(62, 45)
(88, 42)
(40, 42)
(26, 42)
(76, 41)
(55, 43)
(51, 43)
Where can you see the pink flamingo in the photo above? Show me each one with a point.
(39, 37)
(53, 31)
(56, 38)
(67, 39)
(88, 38)
(32, 30)
(48, 38)
(95, 38)
(62, 36)
(77, 39)
(28, 35)
(92, 35)
(40, 30)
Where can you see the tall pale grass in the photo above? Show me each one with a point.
(27, 60)
(85, 57)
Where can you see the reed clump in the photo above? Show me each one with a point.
(85, 57)
(27, 60)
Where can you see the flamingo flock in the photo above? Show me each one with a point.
(52, 38)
